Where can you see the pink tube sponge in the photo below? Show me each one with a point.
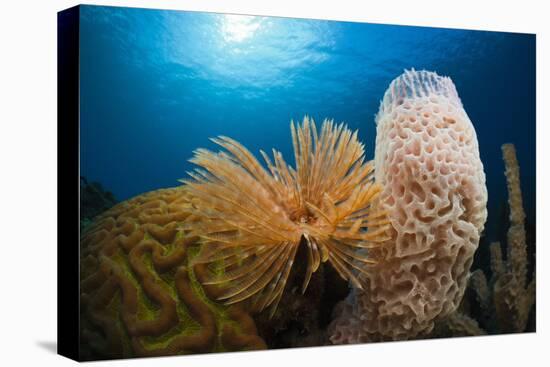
(427, 161)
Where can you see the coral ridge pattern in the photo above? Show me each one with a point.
(140, 297)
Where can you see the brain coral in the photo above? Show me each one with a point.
(427, 161)
(139, 297)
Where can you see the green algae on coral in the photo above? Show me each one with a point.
(139, 294)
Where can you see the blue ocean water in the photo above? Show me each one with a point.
(155, 85)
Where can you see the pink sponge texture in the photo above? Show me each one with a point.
(427, 160)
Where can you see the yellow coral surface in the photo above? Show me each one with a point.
(140, 297)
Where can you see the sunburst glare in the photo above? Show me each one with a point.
(238, 28)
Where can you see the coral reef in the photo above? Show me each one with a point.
(154, 267)
(190, 269)
(251, 221)
(507, 299)
(427, 161)
(140, 296)
(94, 199)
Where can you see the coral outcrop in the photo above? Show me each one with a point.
(507, 298)
(94, 200)
(427, 161)
(139, 294)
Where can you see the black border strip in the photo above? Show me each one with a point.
(68, 182)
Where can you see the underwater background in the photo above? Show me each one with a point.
(155, 85)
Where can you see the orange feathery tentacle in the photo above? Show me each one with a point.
(251, 219)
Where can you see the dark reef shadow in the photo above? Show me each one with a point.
(50, 346)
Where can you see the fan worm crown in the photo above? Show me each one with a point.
(252, 220)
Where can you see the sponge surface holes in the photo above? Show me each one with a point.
(427, 164)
